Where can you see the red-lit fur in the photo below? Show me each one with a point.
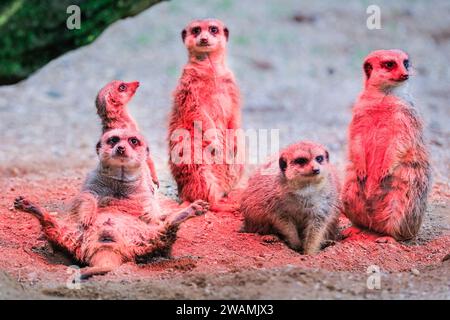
(206, 92)
(112, 108)
(388, 175)
(299, 202)
(116, 236)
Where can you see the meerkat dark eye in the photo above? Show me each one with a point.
(196, 31)
(113, 140)
(122, 87)
(301, 161)
(389, 65)
(406, 64)
(319, 159)
(214, 30)
(134, 141)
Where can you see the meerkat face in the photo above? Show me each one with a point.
(204, 36)
(121, 92)
(122, 147)
(386, 68)
(304, 162)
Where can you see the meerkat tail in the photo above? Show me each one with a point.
(88, 272)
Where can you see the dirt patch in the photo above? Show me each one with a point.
(212, 259)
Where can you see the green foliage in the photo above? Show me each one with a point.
(33, 32)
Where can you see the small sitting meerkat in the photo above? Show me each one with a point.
(388, 176)
(206, 99)
(115, 218)
(297, 199)
(112, 108)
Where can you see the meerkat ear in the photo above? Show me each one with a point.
(148, 150)
(327, 155)
(283, 164)
(98, 146)
(368, 69)
(226, 32)
(183, 34)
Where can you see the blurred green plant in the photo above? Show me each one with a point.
(33, 32)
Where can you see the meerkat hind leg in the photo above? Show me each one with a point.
(53, 231)
(196, 208)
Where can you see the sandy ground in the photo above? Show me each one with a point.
(298, 64)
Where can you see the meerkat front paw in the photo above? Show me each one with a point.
(270, 238)
(386, 239)
(200, 207)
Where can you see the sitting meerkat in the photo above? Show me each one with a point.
(206, 96)
(122, 173)
(388, 176)
(116, 218)
(297, 199)
(112, 108)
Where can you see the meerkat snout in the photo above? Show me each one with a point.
(205, 36)
(122, 147)
(386, 68)
(308, 163)
(118, 93)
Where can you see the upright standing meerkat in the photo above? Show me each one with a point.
(298, 199)
(206, 96)
(388, 175)
(116, 218)
(112, 108)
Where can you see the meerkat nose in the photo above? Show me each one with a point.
(404, 77)
(203, 40)
(120, 150)
(316, 171)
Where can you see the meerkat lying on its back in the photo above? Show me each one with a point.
(116, 218)
(114, 237)
(112, 108)
(206, 94)
(298, 201)
(388, 177)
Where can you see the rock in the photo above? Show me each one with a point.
(415, 272)
(35, 32)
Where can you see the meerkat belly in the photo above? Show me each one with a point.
(377, 138)
(222, 107)
(120, 231)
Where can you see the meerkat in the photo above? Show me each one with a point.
(114, 237)
(115, 200)
(296, 197)
(388, 176)
(122, 173)
(207, 95)
(112, 108)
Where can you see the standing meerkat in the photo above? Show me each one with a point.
(112, 108)
(298, 199)
(388, 175)
(116, 218)
(206, 96)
